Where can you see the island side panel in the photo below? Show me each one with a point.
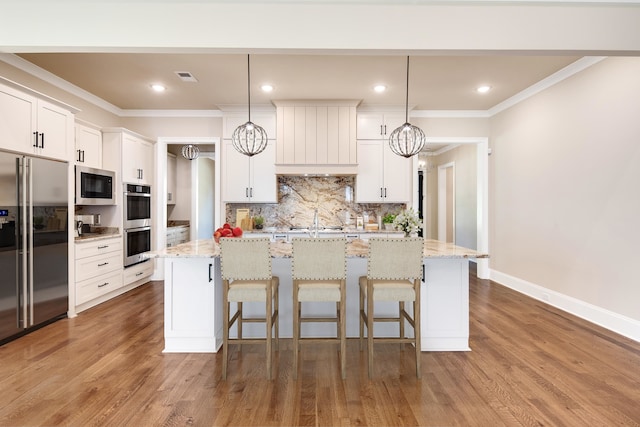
(193, 305)
(445, 304)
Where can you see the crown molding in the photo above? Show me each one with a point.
(171, 113)
(555, 78)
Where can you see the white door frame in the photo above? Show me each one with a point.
(482, 180)
(160, 217)
(442, 201)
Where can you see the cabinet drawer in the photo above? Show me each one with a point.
(98, 264)
(138, 271)
(97, 247)
(87, 290)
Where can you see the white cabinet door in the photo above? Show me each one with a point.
(369, 181)
(397, 177)
(137, 160)
(378, 125)
(172, 172)
(235, 182)
(55, 127)
(193, 305)
(382, 175)
(17, 115)
(249, 179)
(34, 126)
(262, 169)
(88, 147)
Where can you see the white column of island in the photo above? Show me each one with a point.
(193, 297)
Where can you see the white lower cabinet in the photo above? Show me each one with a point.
(98, 268)
(92, 288)
(193, 320)
(137, 272)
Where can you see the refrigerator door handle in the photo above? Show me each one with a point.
(30, 233)
(22, 253)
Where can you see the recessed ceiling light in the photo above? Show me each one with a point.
(266, 88)
(158, 87)
(483, 89)
(379, 88)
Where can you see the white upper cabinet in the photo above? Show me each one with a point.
(249, 179)
(378, 125)
(88, 146)
(34, 126)
(383, 177)
(129, 154)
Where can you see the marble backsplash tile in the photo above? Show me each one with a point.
(299, 196)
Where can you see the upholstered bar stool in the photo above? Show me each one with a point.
(319, 272)
(393, 274)
(247, 277)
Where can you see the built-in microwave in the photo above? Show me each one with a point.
(94, 186)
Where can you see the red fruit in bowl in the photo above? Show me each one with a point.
(216, 236)
(237, 232)
(226, 232)
(227, 226)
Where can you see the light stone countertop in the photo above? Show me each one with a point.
(207, 248)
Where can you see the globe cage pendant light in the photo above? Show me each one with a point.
(190, 151)
(407, 140)
(249, 138)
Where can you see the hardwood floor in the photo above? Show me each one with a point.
(531, 365)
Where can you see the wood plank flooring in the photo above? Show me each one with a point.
(531, 365)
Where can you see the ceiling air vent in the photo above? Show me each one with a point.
(186, 76)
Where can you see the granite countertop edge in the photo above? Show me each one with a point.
(357, 248)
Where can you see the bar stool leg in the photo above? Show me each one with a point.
(370, 317)
(296, 329)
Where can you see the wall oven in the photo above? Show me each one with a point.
(137, 241)
(137, 206)
(137, 223)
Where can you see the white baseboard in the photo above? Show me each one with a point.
(615, 322)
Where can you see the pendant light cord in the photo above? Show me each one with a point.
(406, 105)
(249, 84)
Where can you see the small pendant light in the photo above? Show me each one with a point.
(249, 138)
(407, 140)
(190, 151)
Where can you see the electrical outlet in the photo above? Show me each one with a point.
(545, 297)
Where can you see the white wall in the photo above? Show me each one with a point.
(564, 179)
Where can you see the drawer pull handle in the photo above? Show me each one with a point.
(103, 285)
(103, 264)
(210, 278)
(140, 273)
(103, 247)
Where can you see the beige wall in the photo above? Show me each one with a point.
(452, 127)
(154, 127)
(564, 179)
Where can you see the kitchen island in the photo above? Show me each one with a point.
(193, 297)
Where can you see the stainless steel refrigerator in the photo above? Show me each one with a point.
(33, 243)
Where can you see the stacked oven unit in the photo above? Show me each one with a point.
(137, 223)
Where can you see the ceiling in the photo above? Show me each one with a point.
(436, 82)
